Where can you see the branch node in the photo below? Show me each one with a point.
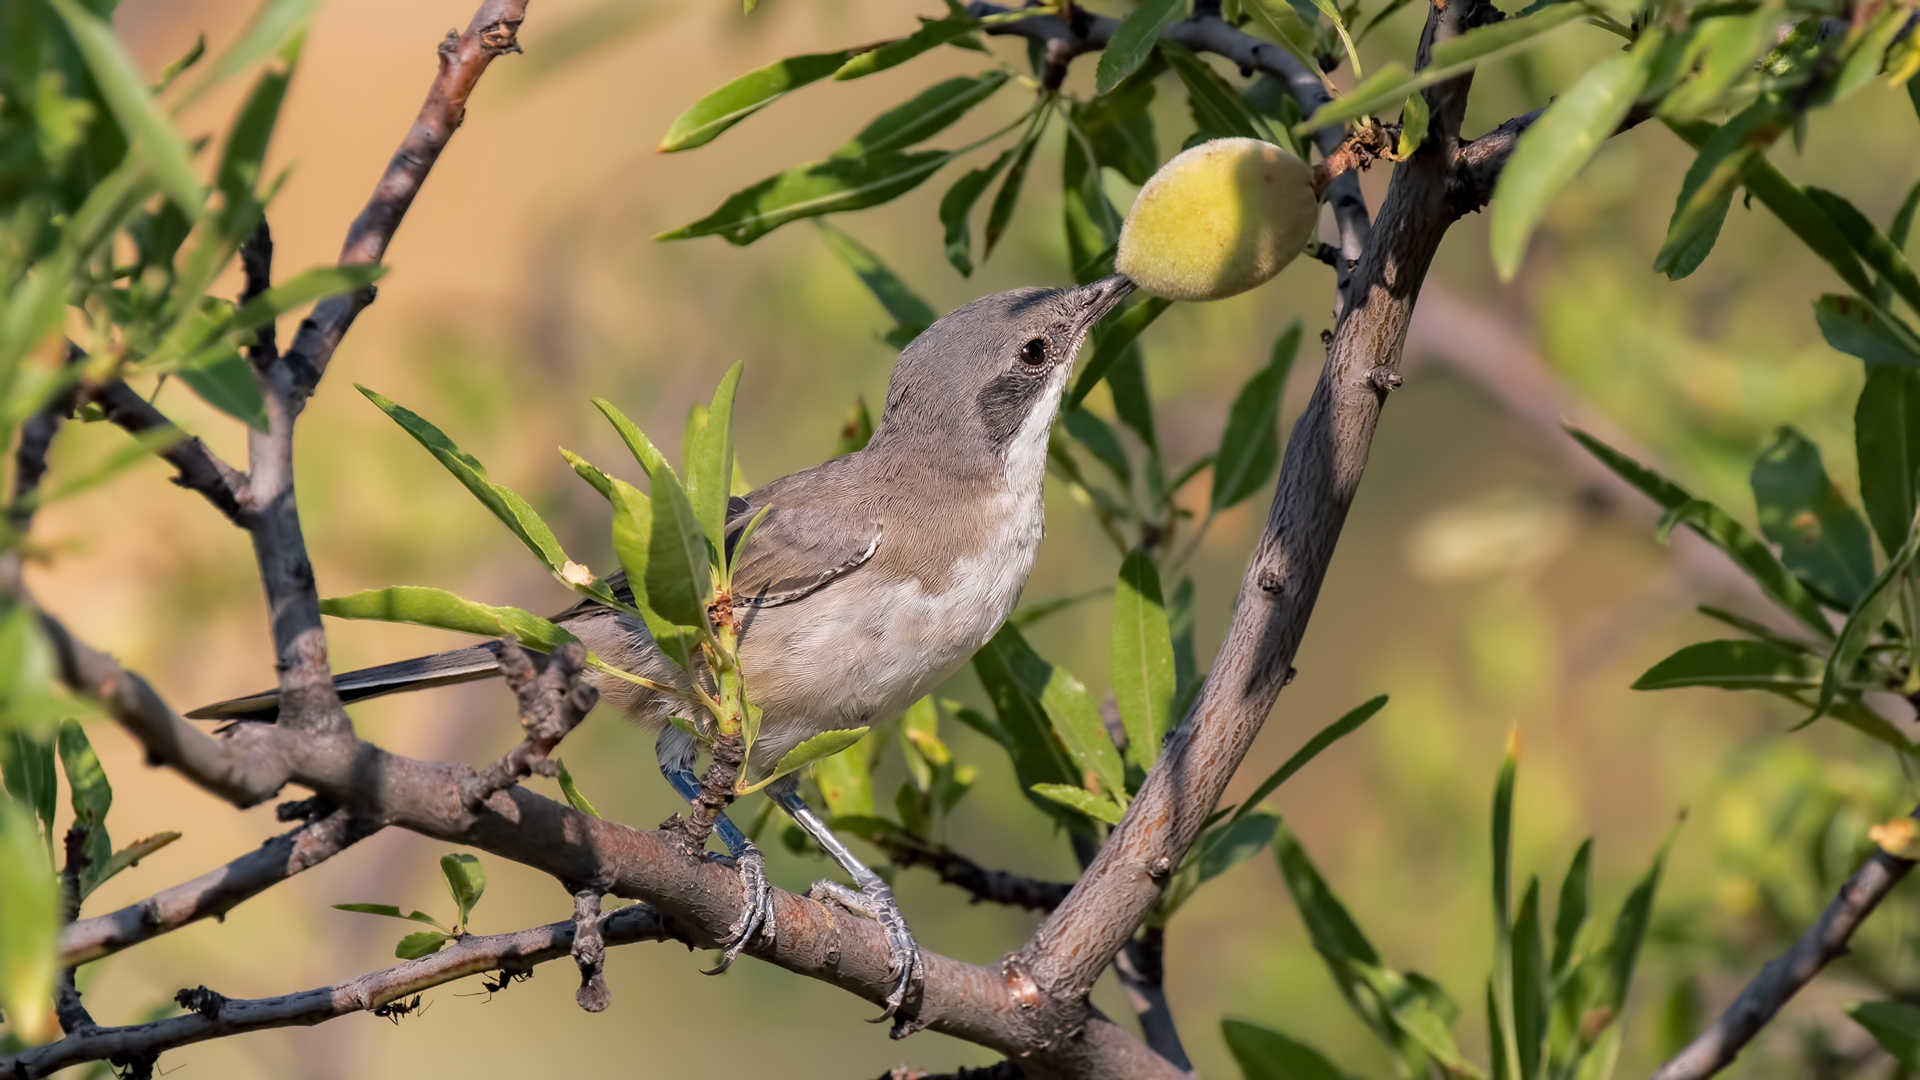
(1384, 379)
(590, 952)
(207, 1003)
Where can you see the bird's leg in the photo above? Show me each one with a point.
(676, 751)
(870, 897)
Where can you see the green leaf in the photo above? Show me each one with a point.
(125, 858)
(226, 383)
(846, 778)
(1218, 109)
(446, 611)
(927, 114)
(911, 314)
(513, 511)
(1821, 538)
(1119, 124)
(1504, 993)
(1069, 708)
(825, 744)
(1004, 200)
(1331, 10)
(956, 209)
(1023, 726)
(1875, 250)
(709, 461)
(1326, 737)
(589, 472)
(1734, 665)
(1726, 155)
(1250, 445)
(1795, 210)
(1336, 937)
(1720, 51)
(1414, 119)
(424, 943)
(1133, 41)
(91, 797)
(1716, 526)
(238, 176)
(832, 186)
(572, 791)
(26, 763)
(466, 882)
(1530, 1001)
(1560, 144)
(1867, 615)
(1227, 846)
(1630, 932)
(1117, 336)
(29, 927)
(746, 95)
(1886, 431)
(679, 578)
(1391, 83)
(932, 34)
(273, 24)
(1570, 914)
(1093, 433)
(1858, 328)
(1895, 1025)
(1142, 658)
(1098, 807)
(1265, 1054)
(390, 912)
(126, 92)
(632, 537)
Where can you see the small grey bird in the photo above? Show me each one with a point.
(873, 577)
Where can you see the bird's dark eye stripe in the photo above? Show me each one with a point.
(1034, 351)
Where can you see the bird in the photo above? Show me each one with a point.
(872, 577)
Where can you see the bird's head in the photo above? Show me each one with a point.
(988, 376)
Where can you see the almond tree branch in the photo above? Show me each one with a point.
(1783, 976)
(1141, 968)
(1319, 476)
(198, 468)
(986, 885)
(215, 1016)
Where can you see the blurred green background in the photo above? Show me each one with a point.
(1481, 581)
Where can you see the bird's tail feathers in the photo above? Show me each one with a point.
(420, 673)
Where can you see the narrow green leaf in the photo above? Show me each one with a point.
(466, 881)
(1414, 119)
(1797, 212)
(1877, 251)
(679, 579)
(746, 95)
(825, 744)
(1331, 10)
(1560, 144)
(572, 791)
(1022, 725)
(925, 115)
(1186, 664)
(1504, 991)
(1336, 937)
(1250, 445)
(238, 177)
(1218, 109)
(1715, 525)
(932, 34)
(1726, 154)
(306, 287)
(632, 537)
(1117, 337)
(1069, 708)
(127, 94)
(709, 461)
(225, 381)
(1530, 1001)
(1119, 124)
(1866, 617)
(832, 186)
(424, 943)
(1895, 1025)
(956, 210)
(446, 611)
(911, 314)
(1093, 433)
(1734, 665)
(1570, 914)
(26, 763)
(272, 24)
(1004, 200)
(1630, 931)
(1098, 807)
(1858, 328)
(390, 912)
(1326, 737)
(126, 858)
(1133, 41)
(1886, 431)
(1821, 538)
(1239, 839)
(29, 927)
(1265, 1054)
(1142, 658)
(589, 472)
(90, 795)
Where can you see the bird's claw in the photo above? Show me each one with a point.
(875, 901)
(756, 911)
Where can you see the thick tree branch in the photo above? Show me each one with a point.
(1320, 474)
(215, 1016)
(1783, 976)
(463, 59)
(214, 893)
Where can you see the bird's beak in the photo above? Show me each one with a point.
(1101, 297)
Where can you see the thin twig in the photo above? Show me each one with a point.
(1141, 967)
(215, 1016)
(1783, 976)
(985, 885)
(197, 468)
(552, 703)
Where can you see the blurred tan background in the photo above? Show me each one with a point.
(1477, 582)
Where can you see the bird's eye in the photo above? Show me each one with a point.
(1034, 351)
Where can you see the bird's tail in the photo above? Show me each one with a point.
(440, 669)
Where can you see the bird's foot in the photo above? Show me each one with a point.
(756, 912)
(876, 902)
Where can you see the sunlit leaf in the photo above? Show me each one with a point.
(424, 943)
(925, 115)
(1142, 658)
(127, 94)
(225, 381)
(446, 611)
(390, 912)
(1098, 807)
(29, 927)
(1133, 40)
(271, 25)
(832, 186)
(91, 797)
(709, 461)
(1734, 665)
(466, 881)
(679, 578)
(825, 744)
(846, 780)
(932, 34)
(746, 95)
(126, 858)
(572, 791)
(1069, 709)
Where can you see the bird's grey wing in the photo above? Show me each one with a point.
(801, 546)
(441, 669)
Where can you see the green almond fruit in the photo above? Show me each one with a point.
(1218, 219)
